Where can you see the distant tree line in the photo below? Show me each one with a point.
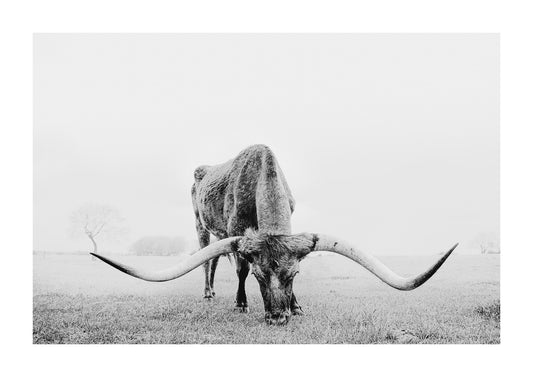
(158, 245)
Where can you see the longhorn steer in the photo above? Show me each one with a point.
(247, 204)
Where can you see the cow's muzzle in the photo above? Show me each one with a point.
(280, 318)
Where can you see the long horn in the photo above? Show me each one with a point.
(374, 265)
(227, 245)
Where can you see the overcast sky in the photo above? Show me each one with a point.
(389, 141)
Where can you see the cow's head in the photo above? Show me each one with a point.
(275, 261)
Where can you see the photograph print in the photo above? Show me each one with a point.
(266, 188)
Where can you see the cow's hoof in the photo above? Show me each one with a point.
(297, 311)
(242, 309)
(209, 294)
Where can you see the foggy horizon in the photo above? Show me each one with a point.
(389, 141)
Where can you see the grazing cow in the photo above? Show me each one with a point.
(247, 204)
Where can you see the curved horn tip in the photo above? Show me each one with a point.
(102, 258)
(453, 248)
(183, 267)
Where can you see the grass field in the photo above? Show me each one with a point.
(80, 300)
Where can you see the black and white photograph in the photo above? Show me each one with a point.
(266, 188)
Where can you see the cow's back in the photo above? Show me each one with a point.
(225, 196)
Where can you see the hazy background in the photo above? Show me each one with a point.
(390, 141)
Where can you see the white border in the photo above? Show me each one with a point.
(20, 19)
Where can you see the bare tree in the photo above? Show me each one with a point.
(488, 243)
(97, 221)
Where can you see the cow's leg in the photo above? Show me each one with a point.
(214, 264)
(243, 267)
(208, 295)
(296, 309)
(203, 239)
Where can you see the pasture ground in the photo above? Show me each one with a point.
(81, 300)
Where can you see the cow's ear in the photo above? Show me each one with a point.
(236, 246)
(305, 244)
(246, 254)
(241, 250)
(302, 253)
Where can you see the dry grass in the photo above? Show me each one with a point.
(77, 300)
(490, 311)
